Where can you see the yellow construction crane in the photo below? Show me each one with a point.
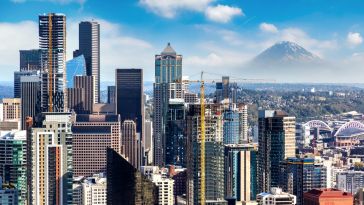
(202, 124)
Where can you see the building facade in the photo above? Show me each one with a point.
(91, 135)
(276, 143)
(51, 160)
(13, 157)
(130, 142)
(89, 47)
(52, 42)
(327, 196)
(30, 98)
(276, 197)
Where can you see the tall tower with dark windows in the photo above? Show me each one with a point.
(168, 70)
(52, 42)
(276, 139)
(129, 99)
(89, 47)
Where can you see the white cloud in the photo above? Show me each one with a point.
(354, 39)
(170, 8)
(222, 13)
(14, 37)
(267, 27)
(118, 50)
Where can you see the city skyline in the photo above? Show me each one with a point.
(217, 34)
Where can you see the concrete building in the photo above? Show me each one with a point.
(91, 135)
(52, 42)
(51, 160)
(276, 197)
(80, 97)
(165, 189)
(148, 142)
(214, 154)
(350, 181)
(327, 196)
(30, 98)
(17, 76)
(13, 162)
(130, 142)
(276, 143)
(299, 175)
(11, 109)
(90, 191)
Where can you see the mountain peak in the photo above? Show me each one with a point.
(286, 53)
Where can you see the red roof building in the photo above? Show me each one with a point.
(327, 197)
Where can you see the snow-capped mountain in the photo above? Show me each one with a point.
(286, 53)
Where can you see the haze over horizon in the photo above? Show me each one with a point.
(219, 36)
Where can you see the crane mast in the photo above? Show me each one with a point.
(202, 138)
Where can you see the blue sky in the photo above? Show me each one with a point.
(219, 36)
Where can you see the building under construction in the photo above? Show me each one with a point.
(52, 42)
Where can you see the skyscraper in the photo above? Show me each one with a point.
(89, 47)
(168, 69)
(111, 94)
(236, 124)
(214, 154)
(13, 161)
(17, 77)
(129, 99)
(126, 185)
(130, 142)
(91, 135)
(80, 97)
(176, 136)
(240, 172)
(52, 42)
(276, 143)
(30, 60)
(51, 160)
(299, 175)
(11, 109)
(30, 98)
(75, 67)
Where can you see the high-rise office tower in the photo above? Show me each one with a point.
(30, 60)
(91, 135)
(168, 69)
(8, 195)
(148, 142)
(80, 97)
(51, 160)
(176, 133)
(129, 99)
(30, 98)
(75, 67)
(52, 42)
(240, 172)
(125, 184)
(17, 77)
(299, 175)
(131, 144)
(236, 124)
(89, 47)
(214, 154)
(111, 94)
(13, 162)
(350, 181)
(276, 143)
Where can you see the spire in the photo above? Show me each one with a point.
(169, 50)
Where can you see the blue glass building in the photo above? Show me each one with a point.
(231, 127)
(76, 66)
